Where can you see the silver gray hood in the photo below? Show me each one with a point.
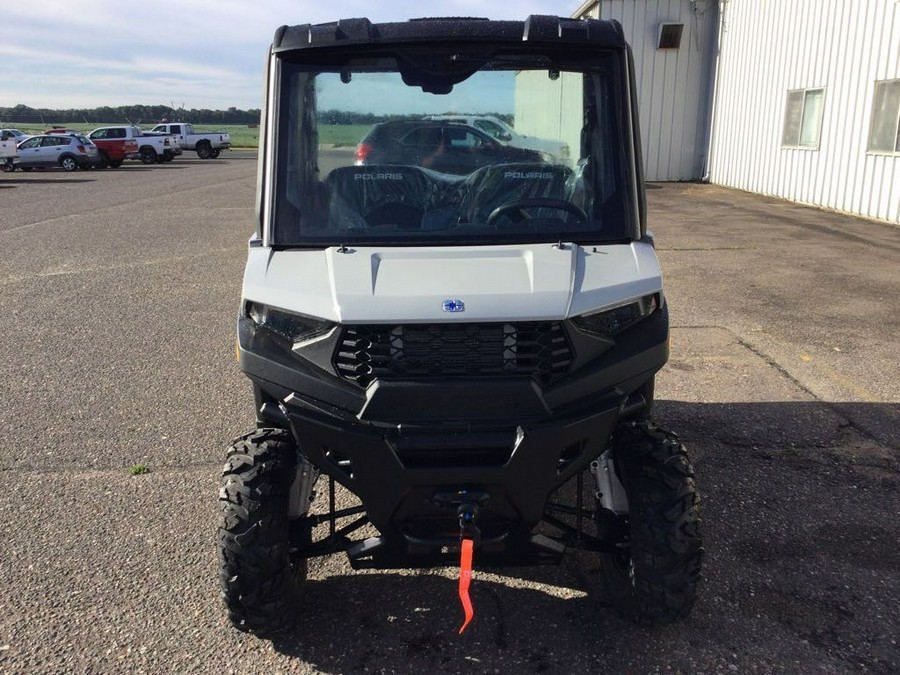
(463, 284)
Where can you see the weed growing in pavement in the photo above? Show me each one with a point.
(138, 469)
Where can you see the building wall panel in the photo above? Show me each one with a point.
(673, 84)
(769, 47)
(550, 109)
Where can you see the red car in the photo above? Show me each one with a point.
(113, 145)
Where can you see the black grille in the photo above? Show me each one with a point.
(424, 351)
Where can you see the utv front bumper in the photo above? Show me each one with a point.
(413, 482)
(417, 451)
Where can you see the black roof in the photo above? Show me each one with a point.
(535, 29)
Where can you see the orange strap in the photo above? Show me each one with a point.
(465, 578)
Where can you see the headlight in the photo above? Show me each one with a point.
(610, 322)
(294, 327)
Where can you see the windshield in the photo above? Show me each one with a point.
(391, 150)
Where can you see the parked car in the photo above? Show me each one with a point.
(207, 146)
(69, 151)
(17, 134)
(114, 145)
(9, 154)
(501, 131)
(152, 148)
(60, 130)
(443, 146)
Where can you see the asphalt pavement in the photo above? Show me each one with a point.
(119, 291)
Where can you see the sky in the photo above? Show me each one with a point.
(63, 54)
(385, 94)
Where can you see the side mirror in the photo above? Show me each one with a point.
(504, 136)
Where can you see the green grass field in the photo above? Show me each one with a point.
(242, 136)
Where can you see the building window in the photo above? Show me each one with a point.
(803, 118)
(884, 133)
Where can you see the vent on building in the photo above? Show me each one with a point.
(669, 35)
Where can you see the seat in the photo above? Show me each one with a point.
(377, 195)
(501, 184)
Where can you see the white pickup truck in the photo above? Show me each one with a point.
(152, 148)
(9, 154)
(207, 146)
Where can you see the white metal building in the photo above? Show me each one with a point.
(674, 78)
(798, 99)
(808, 103)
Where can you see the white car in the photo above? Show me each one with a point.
(207, 146)
(500, 130)
(9, 155)
(15, 133)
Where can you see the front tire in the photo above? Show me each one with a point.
(259, 581)
(654, 578)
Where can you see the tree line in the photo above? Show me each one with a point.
(151, 114)
(348, 117)
(23, 114)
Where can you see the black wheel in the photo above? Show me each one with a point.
(115, 163)
(148, 155)
(104, 161)
(9, 167)
(653, 578)
(259, 580)
(68, 163)
(204, 150)
(214, 154)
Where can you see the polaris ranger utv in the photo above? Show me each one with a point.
(463, 336)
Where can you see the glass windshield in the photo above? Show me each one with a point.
(390, 150)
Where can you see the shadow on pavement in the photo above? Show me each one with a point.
(393, 623)
(783, 424)
(46, 181)
(800, 530)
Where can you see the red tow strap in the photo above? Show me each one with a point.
(465, 578)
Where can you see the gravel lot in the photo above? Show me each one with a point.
(119, 291)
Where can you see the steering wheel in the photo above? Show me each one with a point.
(522, 205)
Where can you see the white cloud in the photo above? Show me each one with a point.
(205, 53)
